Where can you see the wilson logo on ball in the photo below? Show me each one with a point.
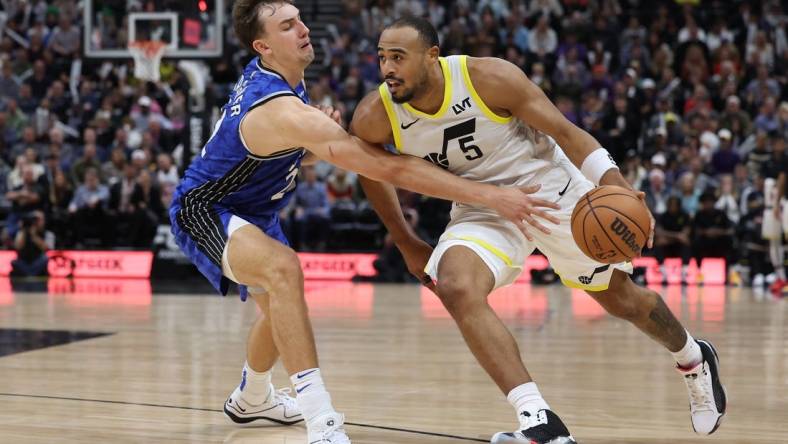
(622, 230)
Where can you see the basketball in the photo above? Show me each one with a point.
(610, 224)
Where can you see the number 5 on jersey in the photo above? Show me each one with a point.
(463, 132)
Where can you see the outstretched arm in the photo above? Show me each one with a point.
(286, 122)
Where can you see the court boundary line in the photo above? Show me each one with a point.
(201, 409)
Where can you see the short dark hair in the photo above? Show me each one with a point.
(427, 32)
(246, 20)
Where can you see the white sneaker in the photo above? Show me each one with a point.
(708, 400)
(279, 408)
(758, 281)
(328, 429)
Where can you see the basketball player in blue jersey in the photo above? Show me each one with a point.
(482, 119)
(224, 212)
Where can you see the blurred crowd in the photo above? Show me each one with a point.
(689, 98)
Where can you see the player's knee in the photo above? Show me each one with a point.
(284, 271)
(457, 294)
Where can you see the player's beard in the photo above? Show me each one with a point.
(408, 94)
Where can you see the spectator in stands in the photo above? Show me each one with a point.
(27, 103)
(152, 210)
(760, 156)
(725, 159)
(761, 87)
(9, 85)
(688, 193)
(672, 236)
(656, 193)
(703, 180)
(63, 150)
(166, 172)
(31, 159)
(571, 74)
(542, 39)
(712, 231)
(25, 198)
(89, 159)
(122, 210)
(139, 159)
(340, 186)
(767, 117)
(51, 165)
(16, 119)
(28, 141)
(61, 192)
(59, 100)
(144, 111)
(311, 210)
(728, 202)
(112, 170)
(31, 243)
(622, 128)
(64, 39)
(39, 82)
(87, 209)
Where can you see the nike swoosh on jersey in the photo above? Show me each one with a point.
(403, 126)
(562, 192)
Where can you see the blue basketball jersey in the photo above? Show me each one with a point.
(227, 174)
(228, 180)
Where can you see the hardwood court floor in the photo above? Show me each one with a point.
(393, 360)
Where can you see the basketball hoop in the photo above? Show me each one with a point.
(147, 56)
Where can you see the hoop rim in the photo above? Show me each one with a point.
(150, 48)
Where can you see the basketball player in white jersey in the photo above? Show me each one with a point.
(225, 211)
(775, 220)
(482, 119)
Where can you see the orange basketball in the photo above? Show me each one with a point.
(610, 224)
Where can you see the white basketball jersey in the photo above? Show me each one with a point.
(465, 137)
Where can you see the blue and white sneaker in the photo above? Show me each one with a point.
(278, 408)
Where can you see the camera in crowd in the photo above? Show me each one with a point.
(29, 220)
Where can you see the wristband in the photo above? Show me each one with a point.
(597, 164)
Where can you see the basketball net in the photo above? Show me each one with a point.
(147, 56)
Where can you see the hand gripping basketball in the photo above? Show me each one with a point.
(517, 206)
(611, 224)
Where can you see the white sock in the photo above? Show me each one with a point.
(255, 386)
(311, 394)
(777, 256)
(526, 398)
(690, 355)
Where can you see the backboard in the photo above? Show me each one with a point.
(192, 29)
